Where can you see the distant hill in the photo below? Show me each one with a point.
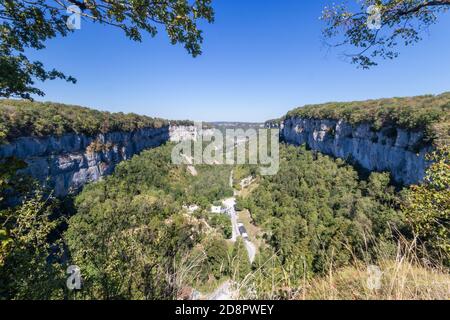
(235, 125)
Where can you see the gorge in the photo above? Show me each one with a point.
(68, 162)
(66, 146)
(136, 217)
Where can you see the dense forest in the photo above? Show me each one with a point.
(133, 237)
(25, 118)
(128, 233)
(318, 219)
(315, 207)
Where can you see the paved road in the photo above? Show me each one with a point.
(251, 250)
(225, 291)
(230, 204)
(231, 178)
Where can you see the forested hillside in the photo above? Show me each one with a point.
(129, 232)
(316, 208)
(318, 219)
(25, 118)
(429, 113)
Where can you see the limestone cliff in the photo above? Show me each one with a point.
(399, 151)
(182, 132)
(68, 162)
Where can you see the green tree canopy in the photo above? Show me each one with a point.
(376, 31)
(28, 24)
(428, 205)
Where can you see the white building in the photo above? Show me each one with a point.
(216, 209)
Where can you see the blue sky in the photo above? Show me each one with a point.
(260, 59)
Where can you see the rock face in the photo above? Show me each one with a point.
(398, 151)
(68, 162)
(183, 133)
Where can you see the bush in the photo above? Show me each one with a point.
(427, 206)
(223, 223)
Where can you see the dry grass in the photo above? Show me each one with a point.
(399, 281)
(404, 276)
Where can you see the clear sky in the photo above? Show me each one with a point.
(260, 59)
